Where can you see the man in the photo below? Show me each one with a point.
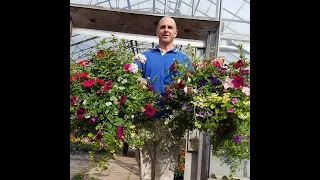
(154, 164)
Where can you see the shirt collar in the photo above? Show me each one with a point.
(173, 50)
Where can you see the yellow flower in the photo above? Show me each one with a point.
(72, 137)
(246, 103)
(226, 98)
(133, 134)
(132, 126)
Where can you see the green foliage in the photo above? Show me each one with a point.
(110, 97)
(215, 96)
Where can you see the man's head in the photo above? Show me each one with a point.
(166, 30)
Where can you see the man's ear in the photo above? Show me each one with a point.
(176, 33)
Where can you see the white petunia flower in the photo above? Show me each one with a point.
(141, 58)
(133, 68)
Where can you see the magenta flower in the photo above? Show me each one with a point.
(150, 88)
(234, 100)
(237, 81)
(149, 110)
(93, 119)
(126, 67)
(73, 100)
(243, 72)
(119, 132)
(81, 112)
(98, 91)
(230, 110)
(98, 135)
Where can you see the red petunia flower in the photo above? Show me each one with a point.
(100, 53)
(173, 67)
(100, 81)
(122, 100)
(181, 85)
(237, 81)
(239, 64)
(107, 86)
(88, 83)
(83, 75)
(83, 63)
(149, 110)
(150, 88)
(126, 67)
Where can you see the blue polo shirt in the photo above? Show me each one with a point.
(158, 65)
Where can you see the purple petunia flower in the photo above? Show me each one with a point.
(201, 114)
(214, 80)
(237, 139)
(203, 82)
(210, 113)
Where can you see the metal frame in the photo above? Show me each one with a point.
(213, 39)
(137, 37)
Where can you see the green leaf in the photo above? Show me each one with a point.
(122, 88)
(113, 98)
(124, 81)
(109, 126)
(90, 135)
(117, 121)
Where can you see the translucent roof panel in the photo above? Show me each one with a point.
(234, 15)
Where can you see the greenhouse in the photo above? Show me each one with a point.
(213, 28)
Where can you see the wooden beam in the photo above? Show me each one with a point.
(137, 22)
(137, 37)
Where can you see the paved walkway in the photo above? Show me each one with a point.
(120, 168)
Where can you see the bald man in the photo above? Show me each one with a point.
(155, 164)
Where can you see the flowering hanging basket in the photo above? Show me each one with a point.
(106, 97)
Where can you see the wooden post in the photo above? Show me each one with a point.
(200, 153)
(206, 155)
(203, 155)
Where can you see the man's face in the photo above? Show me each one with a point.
(167, 31)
